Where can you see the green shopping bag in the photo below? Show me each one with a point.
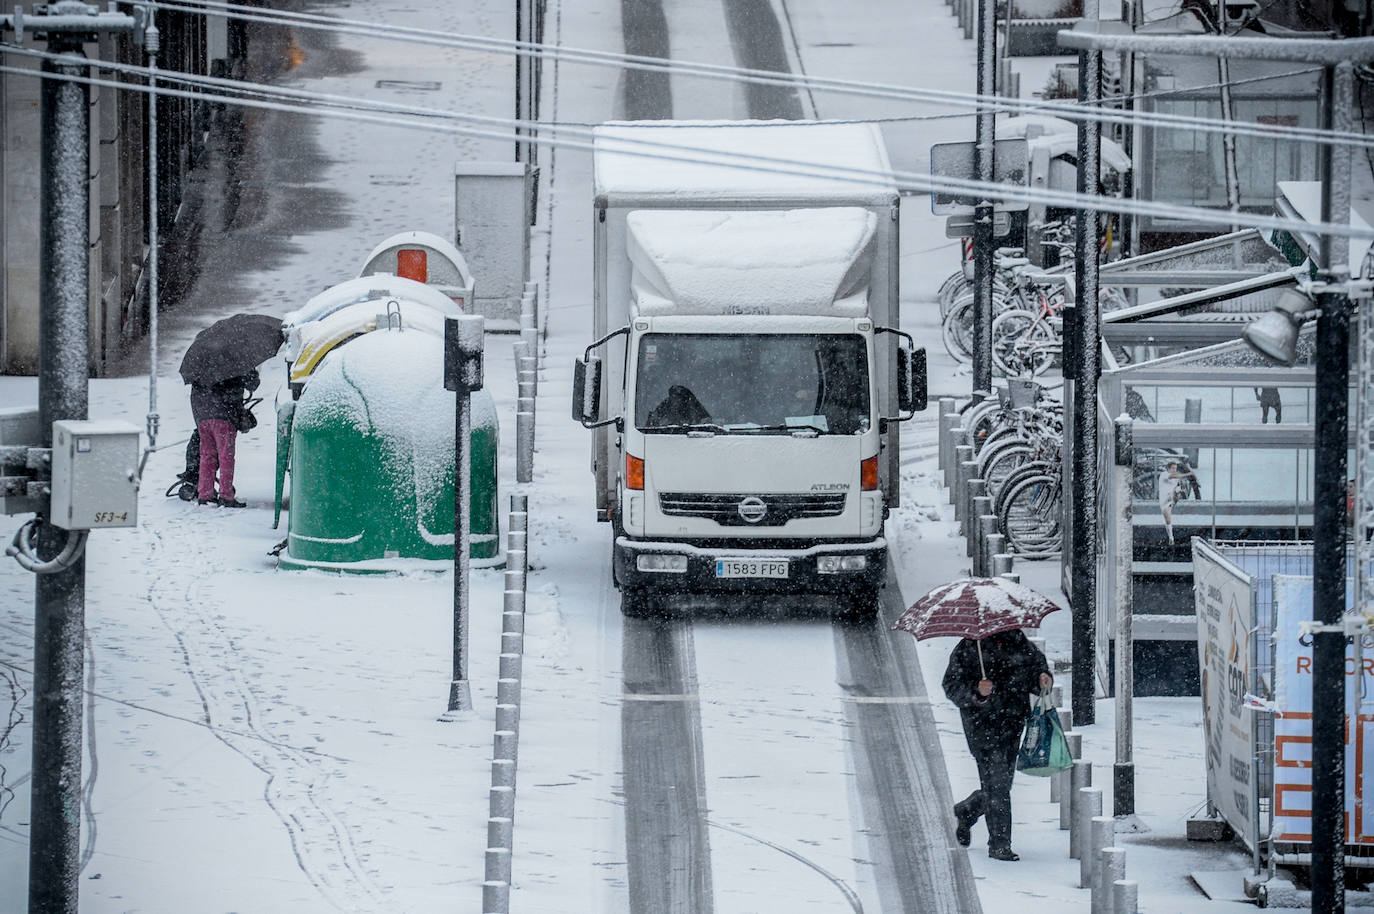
(1044, 749)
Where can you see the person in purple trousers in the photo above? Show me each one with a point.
(219, 410)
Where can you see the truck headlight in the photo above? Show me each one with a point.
(658, 561)
(835, 564)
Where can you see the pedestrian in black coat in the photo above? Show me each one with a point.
(991, 681)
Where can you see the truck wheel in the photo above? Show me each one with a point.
(634, 602)
(859, 606)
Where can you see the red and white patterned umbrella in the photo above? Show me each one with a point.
(975, 608)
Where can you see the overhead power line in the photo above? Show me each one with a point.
(509, 129)
(1068, 110)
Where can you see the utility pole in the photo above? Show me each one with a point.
(1332, 404)
(63, 374)
(984, 147)
(1087, 351)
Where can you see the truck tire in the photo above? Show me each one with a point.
(634, 602)
(859, 606)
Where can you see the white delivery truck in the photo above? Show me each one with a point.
(747, 374)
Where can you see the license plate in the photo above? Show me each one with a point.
(751, 568)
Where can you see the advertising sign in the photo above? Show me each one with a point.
(1225, 627)
(1293, 720)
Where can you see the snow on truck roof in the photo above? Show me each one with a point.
(734, 160)
(802, 261)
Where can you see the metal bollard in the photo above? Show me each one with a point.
(508, 691)
(512, 642)
(1001, 558)
(498, 866)
(1100, 835)
(987, 528)
(1111, 869)
(1057, 699)
(1087, 805)
(978, 505)
(501, 803)
(973, 488)
(1080, 775)
(1013, 577)
(948, 419)
(508, 718)
(509, 667)
(499, 831)
(1125, 897)
(513, 620)
(1066, 719)
(963, 473)
(1059, 782)
(524, 439)
(963, 455)
(503, 772)
(495, 897)
(505, 744)
(516, 562)
(529, 374)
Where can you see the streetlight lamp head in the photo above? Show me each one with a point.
(1275, 334)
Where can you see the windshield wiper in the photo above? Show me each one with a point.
(780, 427)
(685, 428)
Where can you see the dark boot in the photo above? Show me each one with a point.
(967, 812)
(1003, 853)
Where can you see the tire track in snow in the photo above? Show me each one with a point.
(321, 843)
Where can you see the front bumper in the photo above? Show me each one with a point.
(700, 576)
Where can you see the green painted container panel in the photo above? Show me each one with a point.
(360, 491)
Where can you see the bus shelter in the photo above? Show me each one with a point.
(1219, 446)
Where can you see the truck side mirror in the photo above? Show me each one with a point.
(586, 393)
(911, 380)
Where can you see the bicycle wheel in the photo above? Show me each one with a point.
(1031, 516)
(1020, 343)
(1021, 473)
(956, 330)
(957, 284)
(1005, 461)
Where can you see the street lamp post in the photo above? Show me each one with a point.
(462, 375)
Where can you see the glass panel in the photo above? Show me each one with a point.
(764, 383)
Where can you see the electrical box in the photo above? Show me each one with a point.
(94, 474)
(19, 427)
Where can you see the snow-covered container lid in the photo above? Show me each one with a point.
(772, 162)
(802, 261)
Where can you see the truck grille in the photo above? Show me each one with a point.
(724, 509)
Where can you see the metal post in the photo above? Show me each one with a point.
(1087, 805)
(1328, 604)
(462, 375)
(152, 44)
(1087, 353)
(983, 168)
(1123, 770)
(1328, 520)
(60, 597)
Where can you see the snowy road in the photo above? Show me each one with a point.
(815, 773)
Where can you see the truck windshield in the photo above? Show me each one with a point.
(752, 383)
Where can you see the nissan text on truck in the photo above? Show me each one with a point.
(747, 375)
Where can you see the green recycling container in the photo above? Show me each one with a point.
(371, 461)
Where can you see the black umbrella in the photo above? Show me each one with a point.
(231, 347)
